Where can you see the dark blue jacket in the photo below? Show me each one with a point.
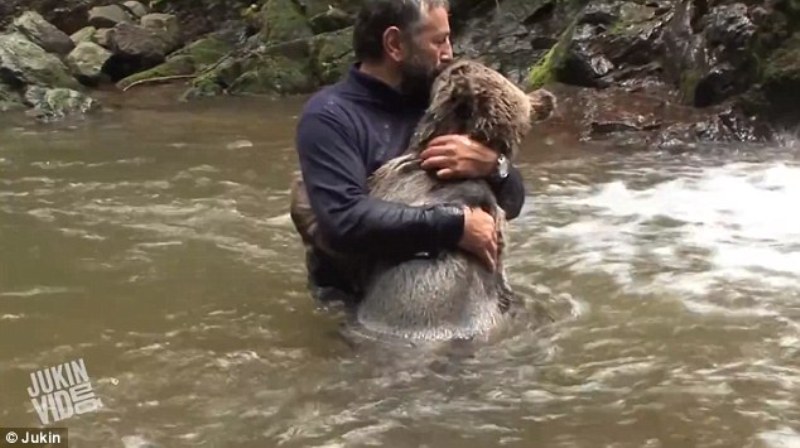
(346, 132)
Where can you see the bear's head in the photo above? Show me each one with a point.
(470, 98)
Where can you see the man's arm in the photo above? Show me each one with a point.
(458, 156)
(510, 192)
(351, 221)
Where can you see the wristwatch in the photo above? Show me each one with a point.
(503, 165)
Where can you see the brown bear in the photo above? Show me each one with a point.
(451, 295)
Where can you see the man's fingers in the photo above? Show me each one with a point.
(437, 162)
(446, 173)
(440, 140)
(490, 260)
(438, 149)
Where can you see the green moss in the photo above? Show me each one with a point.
(783, 66)
(192, 59)
(9, 99)
(274, 75)
(282, 21)
(175, 66)
(205, 52)
(546, 69)
(332, 55)
(688, 85)
(542, 73)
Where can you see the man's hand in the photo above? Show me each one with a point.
(458, 156)
(480, 236)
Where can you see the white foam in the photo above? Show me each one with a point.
(740, 219)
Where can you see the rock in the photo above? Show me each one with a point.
(274, 75)
(548, 67)
(187, 61)
(144, 47)
(103, 37)
(780, 83)
(23, 62)
(87, 61)
(166, 25)
(715, 64)
(283, 21)
(54, 104)
(726, 124)
(332, 55)
(728, 32)
(108, 16)
(85, 34)
(582, 65)
(332, 19)
(9, 98)
(181, 65)
(313, 8)
(138, 9)
(511, 35)
(42, 33)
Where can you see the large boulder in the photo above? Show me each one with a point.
(102, 37)
(42, 33)
(136, 8)
(134, 41)
(85, 34)
(135, 49)
(312, 8)
(166, 26)
(332, 19)
(108, 16)
(23, 62)
(57, 103)
(283, 21)
(778, 94)
(192, 59)
(87, 61)
(332, 55)
(716, 63)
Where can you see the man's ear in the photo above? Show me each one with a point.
(393, 44)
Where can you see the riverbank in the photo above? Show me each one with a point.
(659, 74)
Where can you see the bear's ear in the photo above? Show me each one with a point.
(543, 104)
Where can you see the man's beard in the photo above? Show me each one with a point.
(417, 80)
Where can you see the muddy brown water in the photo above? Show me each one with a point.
(152, 242)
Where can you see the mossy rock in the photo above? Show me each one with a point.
(9, 99)
(687, 88)
(282, 20)
(781, 78)
(174, 66)
(54, 104)
(546, 70)
(332, 55)
(274, 75)
(192, 59)
(28, 63)
(313, 8)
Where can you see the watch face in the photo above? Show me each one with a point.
(502, 167)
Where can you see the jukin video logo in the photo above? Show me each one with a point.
(61, 391)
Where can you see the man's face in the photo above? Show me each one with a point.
(428, 52)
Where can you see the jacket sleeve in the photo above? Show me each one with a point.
(510, 193)
(351, 221)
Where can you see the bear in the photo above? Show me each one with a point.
(450, 295)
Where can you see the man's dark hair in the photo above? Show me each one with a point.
(377, 15)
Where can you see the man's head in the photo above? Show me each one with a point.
(410, 38)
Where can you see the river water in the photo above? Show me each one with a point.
(152, 241)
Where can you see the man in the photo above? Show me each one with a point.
(348, 130)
